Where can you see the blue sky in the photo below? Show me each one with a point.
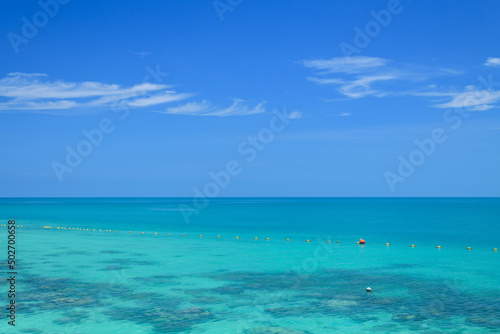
(249, 98)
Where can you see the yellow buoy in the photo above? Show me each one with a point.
(413, 245)
(287, 239)
(267, 238)
(142, 232)
(237, 237)
(183, 235)
(256, 238)
(329, 241)
(357, 242)
(218, 236)
(201, 236)
(469, 248)
(494, 249)
(387, 244)
(169, 234)
(307, 240)
(156, 233)
(129, 231)
(438, 246)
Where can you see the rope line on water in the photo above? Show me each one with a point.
(361, 242)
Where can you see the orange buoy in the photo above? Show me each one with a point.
(413, 245)
(256, 238)
(218, 236)
(329, 241)
(469, 248)
(387, 244)
(307, 240)
(338, 241)
(494, 249)
(287, 239)
(362, 241)
(438, 246)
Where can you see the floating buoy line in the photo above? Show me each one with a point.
(361, 242)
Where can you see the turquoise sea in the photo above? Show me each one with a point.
(88, 274)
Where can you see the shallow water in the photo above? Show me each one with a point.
(78, 281)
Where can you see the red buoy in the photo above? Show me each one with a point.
(362, 241)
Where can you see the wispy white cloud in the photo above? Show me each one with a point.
(359, 77)
(494, 62)
(21, 74)
(362, 86)
(141, 54)
(191, 108)
(445, 70)
(322, 81)
(473, 99)
(342, 114)
(483, 107)
(31, 91)
(204, 108)
(355, 64)
(295, 114)
(355, 76)
(164, 97)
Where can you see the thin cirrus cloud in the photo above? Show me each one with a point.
(354, 64)
(32, 92)
(361, 76)
(494, 62)
(474, 98)
(204, 108)
(355, 76)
